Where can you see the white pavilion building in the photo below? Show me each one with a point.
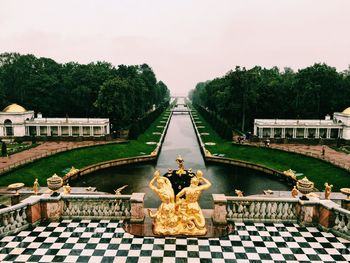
(338, 127)
(16, 121)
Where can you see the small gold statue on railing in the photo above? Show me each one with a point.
(66, 189)
(295, 192)
(180, 214)
(36, 186)
(327, 190)
(239, 193)
(119, 190)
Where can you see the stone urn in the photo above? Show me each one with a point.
(54, 183)
(305, 187)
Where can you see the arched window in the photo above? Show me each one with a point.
(8, 128)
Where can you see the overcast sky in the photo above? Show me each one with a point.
(184, 41)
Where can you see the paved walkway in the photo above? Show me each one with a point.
(44, 149)
(340, 159)
(106, 241)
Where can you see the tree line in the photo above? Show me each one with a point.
(124, 94)
(243, 95)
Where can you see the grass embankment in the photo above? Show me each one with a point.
(46, 167)
(316, 170)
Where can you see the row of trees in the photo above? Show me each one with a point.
(123, 94)
(245, 94)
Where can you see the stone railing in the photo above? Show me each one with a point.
(34, 209)
(341, 222)
(13, 219)
(261, 209)
(324, 213)
(97, 207)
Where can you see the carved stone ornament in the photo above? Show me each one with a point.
(54, 183)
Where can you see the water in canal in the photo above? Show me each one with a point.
(181, 139)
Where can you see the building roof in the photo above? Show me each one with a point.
(14, 108)
(346, 111)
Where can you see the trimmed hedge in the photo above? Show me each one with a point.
(221, 127)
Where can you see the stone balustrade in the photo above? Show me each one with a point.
(341, 222)
(324, 213)
(97, 207)
(13, 219)
(261, 209)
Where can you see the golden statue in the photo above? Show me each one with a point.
(181, 169)
(119, 190)
(295, 192)
(239, 193)
(327, 190)
(66, 189)
(36, 186)
(165, 219)
(192, 218)
(179, 216)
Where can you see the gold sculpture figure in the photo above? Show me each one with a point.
(36, 186)
(295, 192)
(165, 219)
(327, 190)
(119, 190)
(177, 215)
(66, 189)
(191, 216)
(239, 193)
(180, 162)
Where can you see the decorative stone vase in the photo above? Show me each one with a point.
(305, 187)
(54, 183)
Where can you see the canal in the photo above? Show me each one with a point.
(181, 139)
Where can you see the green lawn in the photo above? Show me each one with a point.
(46, 167)
(316, 170)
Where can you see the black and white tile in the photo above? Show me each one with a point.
(106, 241)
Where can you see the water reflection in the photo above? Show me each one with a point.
(181, 139)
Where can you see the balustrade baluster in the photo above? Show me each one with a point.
(257, 210)
(263, 210)
(274, 210)
(268, 210)
(279, 210)
(285, 211)
(337, 221)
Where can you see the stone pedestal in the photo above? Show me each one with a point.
(326, 215)
(51, 208)
(307, 211)
(220, 212)
(137, 207)
(33, 209)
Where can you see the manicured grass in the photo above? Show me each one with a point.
(316, 170)
(46, 167)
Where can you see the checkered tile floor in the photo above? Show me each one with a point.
(106, 241)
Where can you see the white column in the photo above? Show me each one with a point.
(283, 133)
(59, 130)
(91, 131)
(80, 130)
(272, 132)
(317, 135)
(305, 132)
(294, 132)
(328, 133)
(255, 130)
(70, 130)
(48, 128)
(37, 130)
